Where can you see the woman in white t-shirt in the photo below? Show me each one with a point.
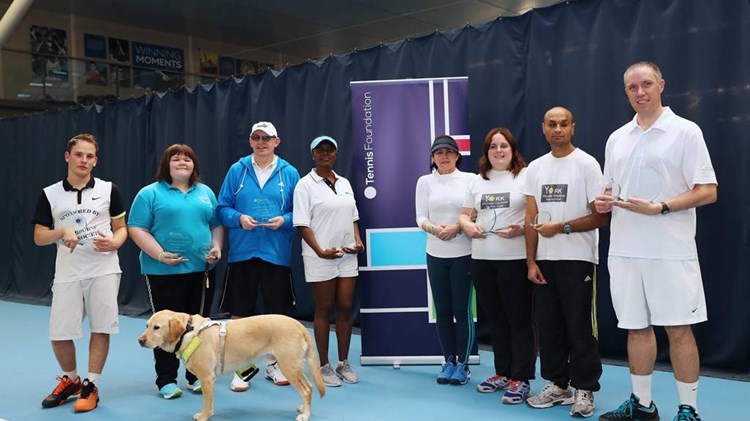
(326, 216)
(438, 200)
(498, 263)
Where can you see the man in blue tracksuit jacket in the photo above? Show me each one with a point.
(255, 204)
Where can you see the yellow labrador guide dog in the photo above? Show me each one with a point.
(209, 348)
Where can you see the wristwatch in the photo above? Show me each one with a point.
(664, 208)
(567, 228)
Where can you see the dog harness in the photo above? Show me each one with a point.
(196, 340)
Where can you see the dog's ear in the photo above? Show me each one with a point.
(176, 328)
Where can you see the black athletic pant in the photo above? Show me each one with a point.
(245, 279)
(504, 294)
(569, 348)
(183, 293)
(450, 283)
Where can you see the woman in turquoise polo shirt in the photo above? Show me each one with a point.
(174, 222)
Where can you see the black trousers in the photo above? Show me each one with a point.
(504, 294)
(245, 279)
(184, 293)
(450, 282)
(569, 348)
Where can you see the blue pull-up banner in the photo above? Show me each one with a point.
(394, 122)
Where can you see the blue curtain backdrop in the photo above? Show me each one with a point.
(572, 54)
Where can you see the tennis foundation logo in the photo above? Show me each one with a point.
(369, 151)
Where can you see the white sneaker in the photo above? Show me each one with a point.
(345, 373)
(238, 385)
(584, 404)
(329, 376)
(550, 396)
(274, 374)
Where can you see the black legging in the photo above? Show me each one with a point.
(450, 282)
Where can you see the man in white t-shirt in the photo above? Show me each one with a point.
(562, 240)
(84, 217)
(658, 171)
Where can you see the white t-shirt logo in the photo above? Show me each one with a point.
(554, 193)
(495, 201)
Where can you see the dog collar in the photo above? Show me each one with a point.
(188, 329)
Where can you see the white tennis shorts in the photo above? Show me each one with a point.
(654, 292)
(318, 269)
(72, 301)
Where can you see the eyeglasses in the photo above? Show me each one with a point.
(265, 138)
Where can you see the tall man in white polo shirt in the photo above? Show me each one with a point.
(660, 166)
(85, 217)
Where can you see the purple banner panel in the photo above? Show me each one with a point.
(394, 123)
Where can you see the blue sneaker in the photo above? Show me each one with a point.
(461, 374)
(195, 387)
(170, 391)
(687, 413)
(631, 410)
(518, 391)
(445, 374)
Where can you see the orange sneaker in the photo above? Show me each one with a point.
(89, 397)
(65, 389)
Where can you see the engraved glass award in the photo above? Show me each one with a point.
(542, 218)
(489, 220)
(644, 183)
(177, 241)
(263, 209)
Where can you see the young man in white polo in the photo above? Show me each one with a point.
(84, 217)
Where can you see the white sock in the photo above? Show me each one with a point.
(72, 375)
(642, 388)
(688, 393)
(94, 378)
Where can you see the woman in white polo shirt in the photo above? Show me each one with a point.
(438, 200)
(326, 216)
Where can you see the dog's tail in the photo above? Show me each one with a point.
(313, 365)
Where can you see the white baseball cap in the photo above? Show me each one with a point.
(265, 126)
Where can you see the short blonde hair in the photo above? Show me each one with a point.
(650, 64)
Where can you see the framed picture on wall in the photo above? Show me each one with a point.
(96, 73)
(226, 66)
(119, 50)
(251, 66)
(94, 46)
(49, 53)
(209, 62)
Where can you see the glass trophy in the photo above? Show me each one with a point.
(489, 220)
(644, 183)
(341, 240)
(177, 241)
(612, 189)
(348, 240)
(204, 250)
(262, 210)
(542, 218)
